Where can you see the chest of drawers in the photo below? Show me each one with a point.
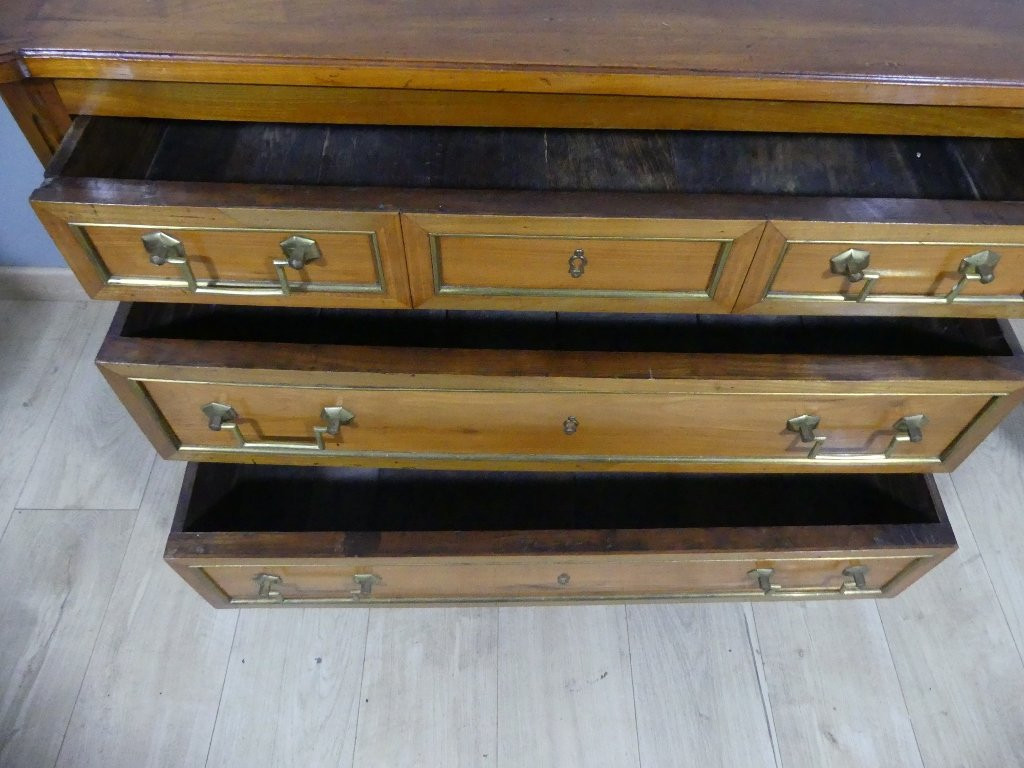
(460, 312)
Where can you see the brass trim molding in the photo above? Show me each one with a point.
(286, 449)
(424, 456)
(243, 287)
(708, 294)
(880, 298)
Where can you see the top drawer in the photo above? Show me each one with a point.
(618, 221)
(887, 268)
(232, 254)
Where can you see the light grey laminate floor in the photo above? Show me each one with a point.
(108, 659)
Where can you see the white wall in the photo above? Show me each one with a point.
(23, 241)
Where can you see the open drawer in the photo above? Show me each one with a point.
(451, 390)
(283, 535)
(535, 219)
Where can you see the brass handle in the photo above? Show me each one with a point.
(364, 585)
(855, 583)
(577, 263)
(979, 266)
(570, 425)
(909, 429)
(266, 584)
(267, 591)
(164, 249)
(220, 416)
(853, 263)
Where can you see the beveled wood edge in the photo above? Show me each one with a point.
(38, 111)
(140, 407)
(306, 71)
(70, 247)
(920, 567)
(411, 106)
(265, 362)
(980, 428)
(12, 67)
(67, 191)
(660, 544)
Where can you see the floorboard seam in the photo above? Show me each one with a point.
(632, 688)
(99, 632)
(79, 349)
(362, 679)
(223, 687)
(754, 642)
(984, 565)
(899, 682)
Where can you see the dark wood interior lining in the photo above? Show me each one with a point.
(571, 331)
(548, 159)
(275, 498)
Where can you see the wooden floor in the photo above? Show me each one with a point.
(107, 659)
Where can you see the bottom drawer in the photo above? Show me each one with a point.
(268, 535)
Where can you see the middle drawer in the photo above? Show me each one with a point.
(546, 391)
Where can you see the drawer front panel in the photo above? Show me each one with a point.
(558, 579)
(245, 256)
(552, 429)
(885, 269)
(587, 264)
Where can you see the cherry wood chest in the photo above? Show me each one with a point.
(460, 302)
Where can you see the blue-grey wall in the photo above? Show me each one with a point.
(23, 241)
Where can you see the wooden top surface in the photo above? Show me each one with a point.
(911, 51)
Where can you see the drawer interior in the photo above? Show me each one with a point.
(300, 499)
(740, 334)
(547, 159)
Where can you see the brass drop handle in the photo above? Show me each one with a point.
(853, 264)
(266, 585)
(855, 583)
(979, 266)
(365, 583)
(856, 579)
(908, 429)
(164, 249)
(577, 263)
(268, 591)
(220, 416)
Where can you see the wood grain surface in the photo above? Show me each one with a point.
(530, 426)
(60, 568)
(565, 687)
(695, 692)
(446, 659)
(58, 480)
(822, 717)
(918, 52)
(318, 691)
(151, 615)
(423, 106)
